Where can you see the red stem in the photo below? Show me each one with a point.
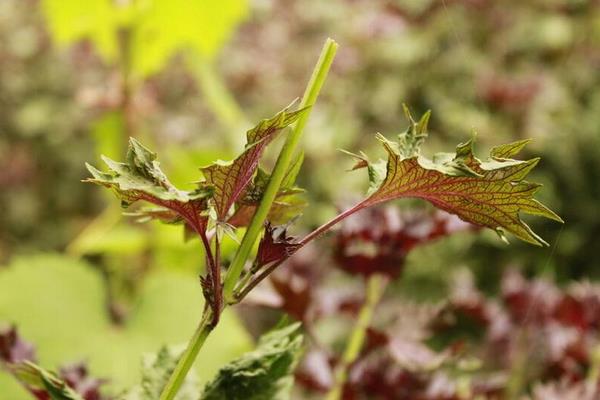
(216, 275)
(327, 225)
(307, 239)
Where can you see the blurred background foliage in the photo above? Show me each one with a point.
(188, 77)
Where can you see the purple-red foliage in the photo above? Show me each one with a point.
(377, 240)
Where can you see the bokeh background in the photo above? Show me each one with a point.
(77, 78)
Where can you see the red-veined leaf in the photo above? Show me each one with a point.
(231, 179)
(491, 193)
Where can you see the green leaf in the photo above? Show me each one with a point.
(41, 381)
(141, 178)
(231, 179)
(491, 193)
(166, 311)
(263, 374)
(70, 21)
(156, 370)
(167, 27)
(156, 29)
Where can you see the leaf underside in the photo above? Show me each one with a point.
(492, 193)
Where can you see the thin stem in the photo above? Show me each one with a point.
(218, 306)
(519, 366)
(188, 357)
(214, 271)
(591, 379)
(283, 161)
(245, 289)
(218, 97)
(375, 288)
(329, 224)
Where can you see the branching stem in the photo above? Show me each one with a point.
(283, 161)
(209, 320)
(245, 289)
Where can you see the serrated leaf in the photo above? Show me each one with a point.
(288, 204)
(263, 374)
(141, 178)
(491, 193)
(156, 370)
(230, 180)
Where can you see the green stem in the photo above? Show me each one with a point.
(188, 357)
(283, 161)
(519, 366)
(591, 380)
(375, 288)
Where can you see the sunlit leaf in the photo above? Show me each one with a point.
(152, 31)
(70, 21)
(166, 312)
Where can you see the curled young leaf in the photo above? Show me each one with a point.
(141, 178)
(275, 245)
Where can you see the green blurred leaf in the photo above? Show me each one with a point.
(119, 239)
(156, 370)
(156, 29)
(167, 26)
(70, 21)
(38, 291)
(108, 132)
